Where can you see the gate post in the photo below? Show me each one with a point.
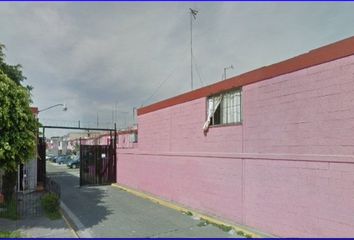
(81, 163)
(115, 154)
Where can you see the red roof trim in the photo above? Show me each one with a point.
(318, 56)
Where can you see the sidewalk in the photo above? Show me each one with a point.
(38, 227)
(105, 211)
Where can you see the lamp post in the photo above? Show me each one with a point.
(56, 105)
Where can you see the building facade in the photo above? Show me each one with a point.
(271, 149)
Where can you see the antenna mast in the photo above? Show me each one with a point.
(193, 14)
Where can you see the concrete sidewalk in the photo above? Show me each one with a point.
(105, 211)
(38, 227)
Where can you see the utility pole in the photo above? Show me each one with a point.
(97, 119)
(116, 112)
(193, 14)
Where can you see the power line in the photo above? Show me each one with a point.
(198, 72)
(157, 89)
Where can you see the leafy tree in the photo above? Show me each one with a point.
(18, 126)
(14, 72)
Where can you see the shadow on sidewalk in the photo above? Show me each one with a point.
(85, 202)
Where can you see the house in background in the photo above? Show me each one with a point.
(52, 145)
(272, 149)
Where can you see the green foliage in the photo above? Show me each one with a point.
(204, 222)
(240, 233)
(9, 210)
(50, 204)
(8, 180)
(10, 234)
(248, 236)
(189, 213)
(224, 227)
(18, 126)
(14, 72)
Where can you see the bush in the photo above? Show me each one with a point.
(50, 203)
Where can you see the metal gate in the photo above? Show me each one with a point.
(98, 164)
(41, 161)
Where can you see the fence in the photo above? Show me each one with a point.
(28, 204)
(52, 186)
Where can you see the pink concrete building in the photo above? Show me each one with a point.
(271, 149)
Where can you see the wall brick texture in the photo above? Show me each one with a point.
(287, 170)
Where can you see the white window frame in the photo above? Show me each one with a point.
(229, 107)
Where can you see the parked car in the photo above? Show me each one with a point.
(55, 158)
(74, 163)
(64, 159)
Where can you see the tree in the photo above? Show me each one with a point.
(18, 125)
(14, 72)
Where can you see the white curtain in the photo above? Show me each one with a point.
(213, 104)
(230, 108)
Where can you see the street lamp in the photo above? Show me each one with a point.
(56, 105)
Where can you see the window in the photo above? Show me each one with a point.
(224, 108)
(133, 137)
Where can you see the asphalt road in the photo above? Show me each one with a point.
(105, 211)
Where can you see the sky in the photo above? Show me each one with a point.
(105, 59)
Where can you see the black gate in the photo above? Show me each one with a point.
(98, 164)
(41, 161)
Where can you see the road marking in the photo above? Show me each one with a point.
(82, 232)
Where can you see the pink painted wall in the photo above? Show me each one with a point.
(287, 170)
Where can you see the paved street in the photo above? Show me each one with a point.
(104, 211)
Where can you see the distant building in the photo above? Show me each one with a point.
(67, 144)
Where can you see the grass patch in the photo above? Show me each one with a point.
(240, 233)
(50, 203)
(9, 210)
(53, 215)
(223, 227)
(10, 235)
(246, 235)
(189, 213)
(203, 223)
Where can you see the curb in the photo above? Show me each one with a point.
(69, 224)
(79, 230)
(247, 231)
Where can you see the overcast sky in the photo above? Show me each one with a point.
(95, 56)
